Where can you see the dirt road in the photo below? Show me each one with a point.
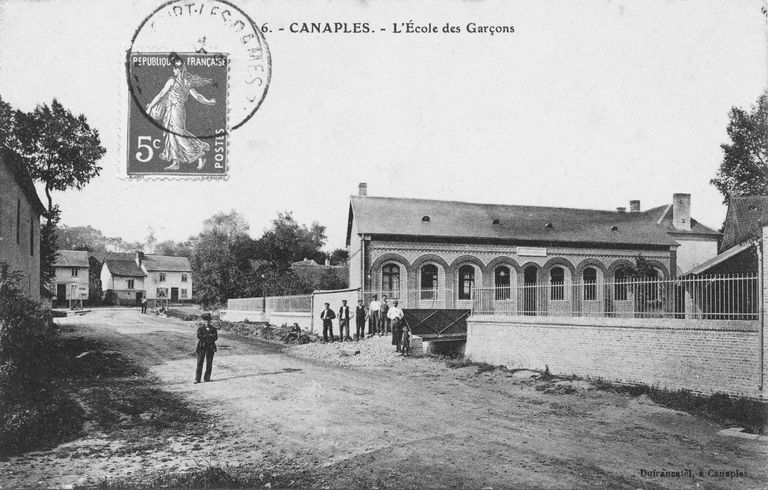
(417, 423)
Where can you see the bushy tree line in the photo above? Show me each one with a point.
(228, 263)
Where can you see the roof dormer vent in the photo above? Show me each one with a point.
(425, 219)
(496, 222)
(614, 228)
(548, 225)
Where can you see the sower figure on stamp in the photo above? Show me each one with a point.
(383, 319)
(373, 316)
(360, 316)
(168, 107)
(344, 321)
(207, 335)
(395, 316)
(327, 317)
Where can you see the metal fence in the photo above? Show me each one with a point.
(413, 298)
(723, 297)
(298, 303)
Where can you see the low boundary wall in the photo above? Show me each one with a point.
(279, 318)
(705, 357)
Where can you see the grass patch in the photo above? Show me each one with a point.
(720, 408)
(207, 475)
(462, 362)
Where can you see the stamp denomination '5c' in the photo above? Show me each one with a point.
(177, 121)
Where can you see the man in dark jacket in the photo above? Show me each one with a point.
(327, 317)
(360, 315)
(207, 335)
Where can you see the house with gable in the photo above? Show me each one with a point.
(71, 281)
(127, 278)
(20, 211)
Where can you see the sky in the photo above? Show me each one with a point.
(588, 104)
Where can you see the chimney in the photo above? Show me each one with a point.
(681, 211)
(621, 209)
(634, 206)
(362, 189)
(139, 258)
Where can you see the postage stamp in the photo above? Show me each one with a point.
(177, 120)
(196, 71)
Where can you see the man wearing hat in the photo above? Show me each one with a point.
(207, 335)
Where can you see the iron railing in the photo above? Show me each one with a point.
(723, 297)
(413, 298)
(297, 303)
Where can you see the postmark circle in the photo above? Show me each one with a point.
(207, 34)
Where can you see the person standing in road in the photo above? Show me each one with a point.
(144, 304)
(360, 316)
(395, 316)
(383, 318)
(207, 335)
(344, 321)
(373, 314)
(327, 317)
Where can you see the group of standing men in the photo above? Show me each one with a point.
(381, 317)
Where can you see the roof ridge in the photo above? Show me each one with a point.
(613, 211)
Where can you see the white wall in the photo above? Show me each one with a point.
(172, 280)
(64, 276)
(334, 298)
(694, 252)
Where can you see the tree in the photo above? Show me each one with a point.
(48, 248)
(339, 256)
(744, 169)
(288, 242)
(61, 149)
(220, 259)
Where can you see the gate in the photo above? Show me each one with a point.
(437, 324)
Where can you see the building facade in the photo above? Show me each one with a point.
(20, 211)
(127, 278)
(432, 254)
(71, 282)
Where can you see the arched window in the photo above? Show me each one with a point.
(589, 278)
(530, 302)
(429, 281)
(466, 281)
(390, 280)
(501, 280)
(557, 283)
(620, 286)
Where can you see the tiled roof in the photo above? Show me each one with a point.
(444, 219)
(665, 220)
(122, 267)
(71, 258)
(18, 168)
(743, 221)
(166, 263)
(126, 262)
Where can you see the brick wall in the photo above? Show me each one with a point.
(715, 356)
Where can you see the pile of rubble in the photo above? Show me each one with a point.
(288, 334)
(374, 351)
